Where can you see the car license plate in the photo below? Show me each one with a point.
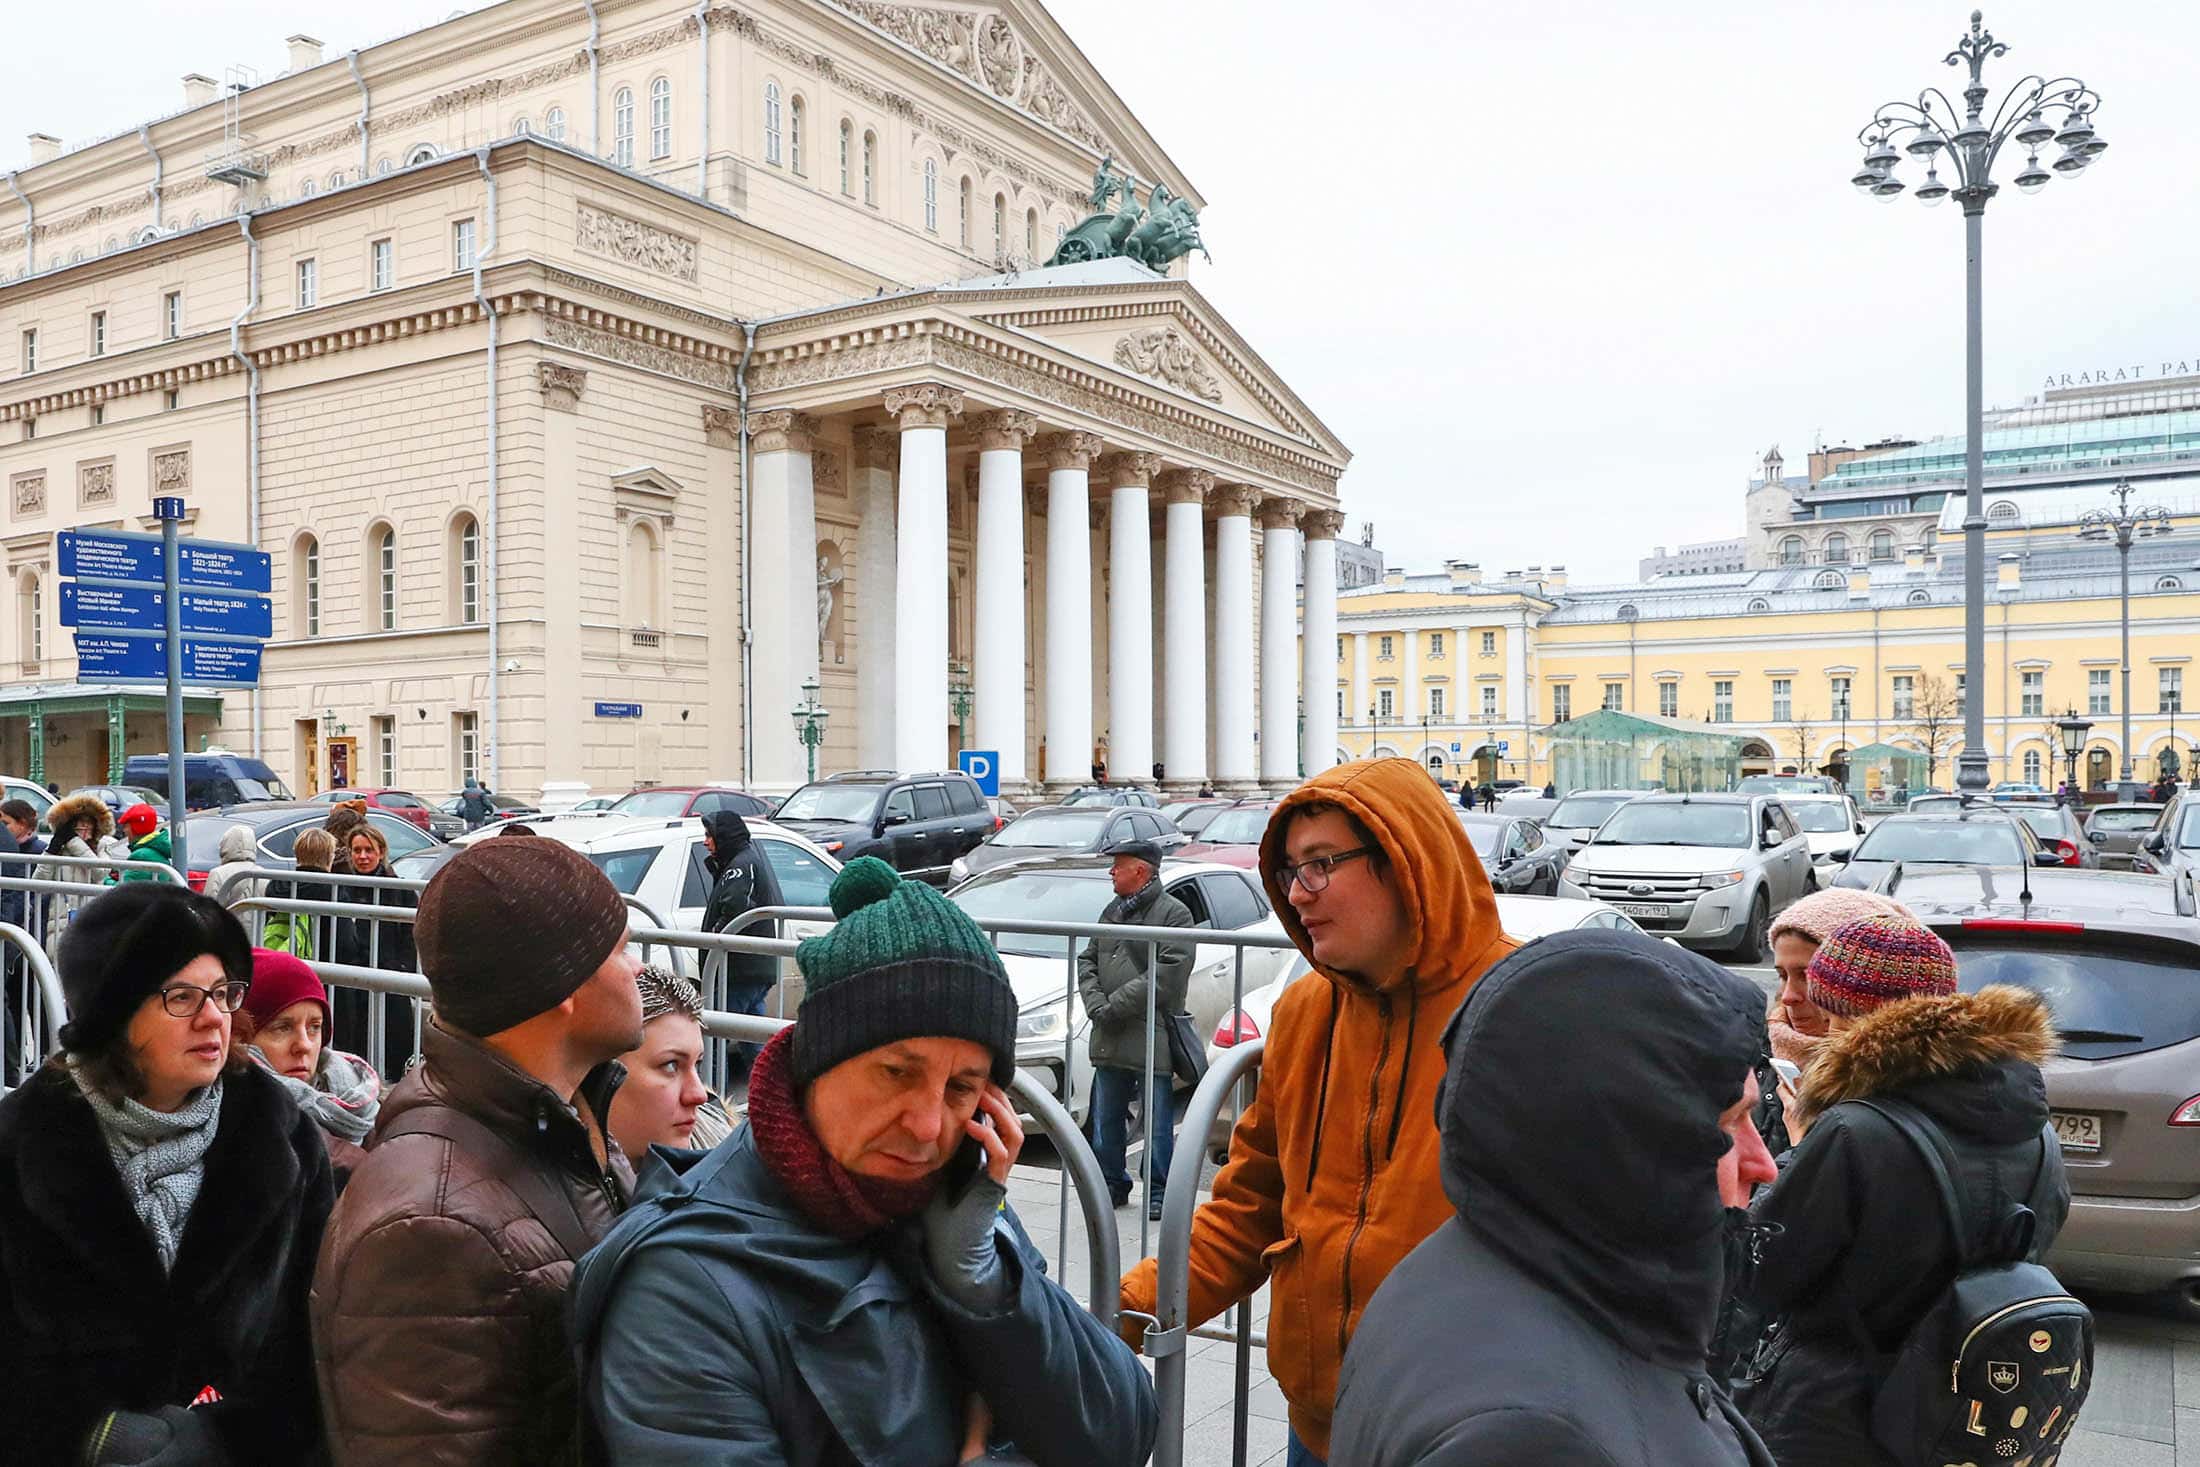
(2077, 1132)
(1651, 910)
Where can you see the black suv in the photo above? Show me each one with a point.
(916, 823)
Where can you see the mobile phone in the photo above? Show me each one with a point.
(1788, 1071)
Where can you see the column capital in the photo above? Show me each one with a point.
(1322, 524)
(782, 431)
(1278, 513)
(1234, 501)
(561, 385)
(721, 427)
(876, 448)
(924, 404)
(1070, 450)
(1006, 429)
(1185, 486)
(1128, 470)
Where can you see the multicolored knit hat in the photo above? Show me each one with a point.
(1817, 915)
(903, 962)
(1877, 960)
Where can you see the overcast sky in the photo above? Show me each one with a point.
(1558, 274)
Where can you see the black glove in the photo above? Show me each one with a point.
(169, 1437)
(959, 1249)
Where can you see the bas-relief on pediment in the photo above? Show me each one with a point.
(984, 47)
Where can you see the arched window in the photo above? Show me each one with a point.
(642, 575)
(931, 196)
(305, 587)
(2032, 766)
(1882, 543)
(771, 123)
(1628, 612)
(622, 127)
(962, 204)
(306, 187)
(870, 168)
(847, 157)
(660, 119)
(1830, 581)
(381, 166)
(521, 127)
(1031, 235)
(1791, 550)
(1759, 603)
(553, 124)
(1000, 225)
(425, 153)
(2002, 512)
(1837, 549)
(145, 236)
(797, 117)
(2169, 583)
(336, 179)
(1920, 598)
(31, 615)
(465, 562)
(382, 546)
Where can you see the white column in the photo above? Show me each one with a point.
(1069, 459)
(1279, 660)
(1130, 617)
(875, 453)
(920, 581)
(1234, 647)
(722, 525)
(1318, 655)
(782, 591)
(1184, 630)
(1514, 708)
(998, 677)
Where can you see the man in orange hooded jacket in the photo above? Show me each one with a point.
(1333, 1170)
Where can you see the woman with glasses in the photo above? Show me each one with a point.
(161, 1204)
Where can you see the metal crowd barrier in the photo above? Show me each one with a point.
(34, 1006)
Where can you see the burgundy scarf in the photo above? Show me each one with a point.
(836, 1199)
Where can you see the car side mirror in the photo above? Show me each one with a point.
(1859, 827)
(2156, 845)
(2046, 858)
(1844, 857)
(1769, 840)
(895, 817)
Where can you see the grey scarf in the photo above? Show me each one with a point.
(1124, 908)
(162, 1157)
(344, 1097)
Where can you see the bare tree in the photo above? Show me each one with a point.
(1801, 731)
(1936, 721)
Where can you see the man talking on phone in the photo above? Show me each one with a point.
(841, 1280)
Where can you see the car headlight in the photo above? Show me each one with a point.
(958, 869)
(1575, 872)
(1043, 1021)
(1716, 879)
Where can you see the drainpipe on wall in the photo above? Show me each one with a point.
(30, 222)
(487, 247)
(748, 686)
(702, 159)
(595, 85)
(252, 422)
(145, 136)
(352, 57)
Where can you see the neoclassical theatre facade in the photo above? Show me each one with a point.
(598, 375)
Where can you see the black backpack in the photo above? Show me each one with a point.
(1999, 1365)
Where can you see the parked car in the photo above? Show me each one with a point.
(1062, 831)
(210, 780)
(2061, 833)
(1524, 918)
(1576, 817)
(1233, 836)
(2113, 953)
(916, 823)
(1933, 804)
(117, 797)
(592, 804)
(2017, 789)
(1076, 889)
(37, 796)
(1191, 816)
(1113, 794)
(692, 799)
(1515, 854)
(276, 826)
(1788, 784)
(1709, 870)
(2174, 845)
(404, 804)
(2119, 831)
(1981, 835)
(502, 807)
(1832, 826)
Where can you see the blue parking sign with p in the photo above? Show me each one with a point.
(984, 766)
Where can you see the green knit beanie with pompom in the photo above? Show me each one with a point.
(902, 962)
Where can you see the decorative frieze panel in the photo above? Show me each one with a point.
(27, 495)
(1164, 353)
(641, 354)
(95, 484)
(633, 242)
(171, 472)
(988, 51)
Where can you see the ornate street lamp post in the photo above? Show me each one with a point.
(2073, 730)
(2124, 526)
(1970, 141)
(809, 721)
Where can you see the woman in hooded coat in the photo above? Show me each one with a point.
(238, 851)
(83, 826)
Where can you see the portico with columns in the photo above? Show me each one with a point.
(1047, 475)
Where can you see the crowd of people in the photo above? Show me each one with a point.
(1586, 1200)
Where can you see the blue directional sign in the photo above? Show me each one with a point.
(618, 710)
(127, 657)
(215, 566)
(125, 555)
(984, 766)
(133, 608)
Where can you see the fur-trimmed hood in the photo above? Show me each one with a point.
(1919, 1039)
(65, 813)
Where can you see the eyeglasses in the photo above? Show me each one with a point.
(1314, 874)
(184, 1000)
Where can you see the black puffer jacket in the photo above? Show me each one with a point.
(741, 880)
(1562, 1317)
(1862, 1245)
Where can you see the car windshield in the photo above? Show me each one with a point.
(1584, 812)
(830, 802)
(1198, 818)
(2188, 829)
(1959, 842)
(1786, 784)
(1935, 804)
(1236, 828)
(1820, 817)
(1092, 797)
(2045, 820)
(653, 803)
(1062, 830)
(1677, 824)
(1043, 896)
(2123, 819)
(625, 868)
(1482, 835)
(2107, 1001)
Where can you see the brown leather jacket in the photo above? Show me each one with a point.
(438, 1305)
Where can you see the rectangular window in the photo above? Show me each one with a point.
(1669, 700)
(1342, 716)
(99, 333)
(1562, 702)
(171, 315)
(462, 245)
(385, 555)
(1340, 649)
(1489, 700)
(2097, 696)
(1489, 644)
(1722, 701)
(30, 428)
(381, 265)
(99, 413)
(1905, 695)
(309, 284)
(1783, 699)
(1436, 702)
(385, 751)
(1615, 697)
(38, 618)
(466, 745)
(1436, 645)
(469, 573)
(171, 399)
(2031, 695)
(1963, 691)
(2171, 690)
(30, 352)
(660, 124)
(1385, 702)
(313, 588)
(1840, 697)
(1382, 648)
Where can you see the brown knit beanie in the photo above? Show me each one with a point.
(509, 928)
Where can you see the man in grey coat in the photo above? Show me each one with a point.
(1129, 989)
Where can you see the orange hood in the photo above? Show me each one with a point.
(1454, 913)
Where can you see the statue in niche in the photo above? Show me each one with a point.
(832, 575)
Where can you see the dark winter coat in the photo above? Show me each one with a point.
(741, 880)
(438, 1306)
(1862, 1242)
(356, 941)
(1113, 985)
(720, 1327)
(90, 1324)
(1561, 1317)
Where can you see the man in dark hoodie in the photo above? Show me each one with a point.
(741, 880)
(1562, 1316)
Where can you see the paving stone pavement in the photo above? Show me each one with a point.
(2144, 1410)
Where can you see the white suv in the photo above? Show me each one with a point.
(1707, 870)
